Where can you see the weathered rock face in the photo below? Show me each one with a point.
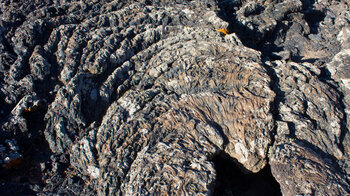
(338, 68)
(140, 97)
(293, 163)
(308, 146)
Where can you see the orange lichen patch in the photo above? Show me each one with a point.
(27, 110)
(13, 163)
(30, 109)
(224, 31)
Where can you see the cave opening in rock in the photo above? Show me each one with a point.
(230, 180)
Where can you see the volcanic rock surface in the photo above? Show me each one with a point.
(115, 97)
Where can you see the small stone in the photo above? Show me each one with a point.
(12, 145)
(42, 166)
(93, 171)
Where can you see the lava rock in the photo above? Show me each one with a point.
(141, 97)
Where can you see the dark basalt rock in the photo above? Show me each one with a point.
(148, 98)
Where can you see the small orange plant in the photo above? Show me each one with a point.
(224, 31)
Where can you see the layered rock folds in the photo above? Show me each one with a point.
(139, 97)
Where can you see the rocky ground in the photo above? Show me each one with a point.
(160, 97)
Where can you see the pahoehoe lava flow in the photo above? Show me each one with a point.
(160, 97)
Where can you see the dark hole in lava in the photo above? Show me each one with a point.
(230, 180)
(313, 18)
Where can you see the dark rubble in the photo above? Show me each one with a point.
(158, 97)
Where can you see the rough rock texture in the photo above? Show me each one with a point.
(148, 97)
(308, 146)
